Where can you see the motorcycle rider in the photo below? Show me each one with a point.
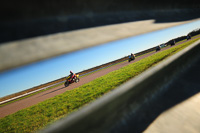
(158, 48)
(71, 79)
(72, 75)
(132, 56)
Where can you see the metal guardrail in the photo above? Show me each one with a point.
(18, 53)
(112, 112)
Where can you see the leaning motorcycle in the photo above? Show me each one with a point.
(158, 48)
(131, 58)
(72, 80)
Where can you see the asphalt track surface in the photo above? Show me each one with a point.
(27, 102)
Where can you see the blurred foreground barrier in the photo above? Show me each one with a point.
(122, 109)
(22, 52)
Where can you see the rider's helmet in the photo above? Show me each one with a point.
(71, 72)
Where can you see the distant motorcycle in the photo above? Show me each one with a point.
(131, 58)
(72, 80)
(188, 37)
(172, 43)
(158, 48)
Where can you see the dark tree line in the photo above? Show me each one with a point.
(191, 34)
(194, 32)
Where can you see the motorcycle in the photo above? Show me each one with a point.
(172, 43)
(131, 58)
(188, 37)
(158, 48)
(70, 80)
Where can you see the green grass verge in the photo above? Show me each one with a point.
(38, 116)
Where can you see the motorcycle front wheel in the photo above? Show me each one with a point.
(66, 84)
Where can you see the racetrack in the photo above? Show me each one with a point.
(16, 106)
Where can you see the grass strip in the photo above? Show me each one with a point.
(40, 115)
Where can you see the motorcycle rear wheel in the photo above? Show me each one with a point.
(77, 80)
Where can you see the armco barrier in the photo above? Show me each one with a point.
(121, 109)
